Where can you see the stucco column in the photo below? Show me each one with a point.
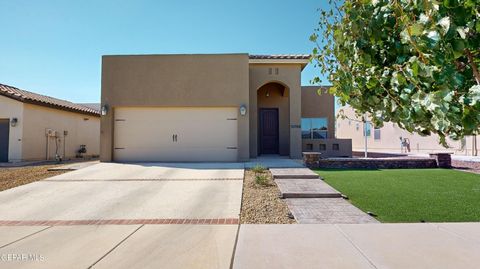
(295, 120)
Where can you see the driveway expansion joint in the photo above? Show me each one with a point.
(215, 221)
(114, 247)
(28, 235)
(355, 246)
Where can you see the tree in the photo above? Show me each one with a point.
(411, 62)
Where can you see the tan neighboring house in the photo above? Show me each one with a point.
(38, 127)
(217, 107)
(392, 139)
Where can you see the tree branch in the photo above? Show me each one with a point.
(476, 74)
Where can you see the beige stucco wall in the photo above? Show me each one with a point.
(174, 81)
(82, 130)
(289, 76)
(315, 105)
(9, 109)
(278, 98)
(390, 134)
(342, 148)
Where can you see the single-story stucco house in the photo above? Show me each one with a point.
(37, 127)
(215, 107)
(390, 138)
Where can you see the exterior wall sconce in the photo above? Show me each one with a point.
(267, 94)
(13, 122)
(243, 110)
(104, 110)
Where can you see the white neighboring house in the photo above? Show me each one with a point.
(392, 139)
(38, 127)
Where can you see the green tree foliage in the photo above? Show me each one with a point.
(411, 62)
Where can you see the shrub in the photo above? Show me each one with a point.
(261, 179)
(258, 168)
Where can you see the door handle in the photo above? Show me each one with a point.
(173, 138)
(176, 140)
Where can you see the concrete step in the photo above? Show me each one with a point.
(291, 173)
(305, 188)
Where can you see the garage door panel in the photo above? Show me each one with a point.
(202, 134)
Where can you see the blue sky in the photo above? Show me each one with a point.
(55, 47)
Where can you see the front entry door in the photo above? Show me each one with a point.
(4, 131)
(269, 131)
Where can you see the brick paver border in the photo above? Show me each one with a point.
(116, 222)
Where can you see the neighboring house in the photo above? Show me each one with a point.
(392, 139)
(38, 127)
(220, 107)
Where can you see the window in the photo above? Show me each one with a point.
(376, 134)
(314, 128)
(366, 129)
(306, 129)
(335, 147)
(322, 147)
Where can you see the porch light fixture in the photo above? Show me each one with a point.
(13, 122)
(243, 110)
(267, 94)
(104, 110)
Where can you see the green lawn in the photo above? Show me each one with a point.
(410, 195)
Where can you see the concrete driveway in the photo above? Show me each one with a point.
(113, 215)
(156, 171)
(186, 216)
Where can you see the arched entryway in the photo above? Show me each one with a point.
(273, 119)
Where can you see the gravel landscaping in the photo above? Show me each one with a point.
(15, 176)
(261, 203)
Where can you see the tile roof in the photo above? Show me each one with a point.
(43, 100)
(282, 56)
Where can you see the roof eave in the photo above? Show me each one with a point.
(302, 62)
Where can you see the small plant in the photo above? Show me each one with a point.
(258, 169)
(261, 179)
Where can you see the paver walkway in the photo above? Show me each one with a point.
(305, 188)
(311, 200)
(328, 211)
(293, 173)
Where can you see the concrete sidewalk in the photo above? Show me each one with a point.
(412, 246)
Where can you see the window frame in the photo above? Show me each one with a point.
(311, 121)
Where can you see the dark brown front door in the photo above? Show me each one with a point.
(268, 131)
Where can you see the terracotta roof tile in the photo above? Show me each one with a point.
(43, 100)
(282, 56)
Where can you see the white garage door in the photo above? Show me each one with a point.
(175, 134)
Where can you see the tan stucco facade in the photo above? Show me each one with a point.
(174, 81)
(388, 140)
(28, 140)
(318, 103)
(217, 81)
(289, 76)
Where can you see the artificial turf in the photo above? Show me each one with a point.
(410, 195)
